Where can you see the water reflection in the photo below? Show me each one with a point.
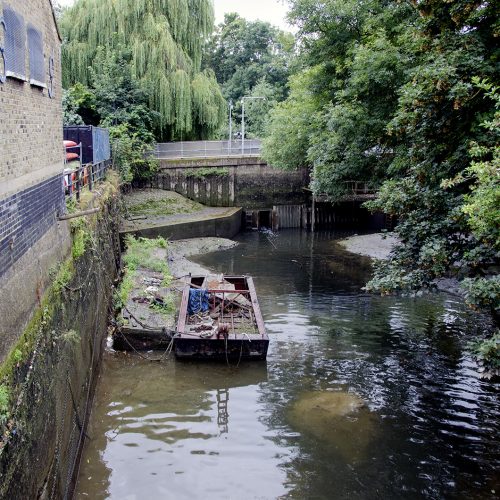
(427, 427)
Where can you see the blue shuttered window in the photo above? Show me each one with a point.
(35, 49)
(15, 44)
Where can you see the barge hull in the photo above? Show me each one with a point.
(219, 349)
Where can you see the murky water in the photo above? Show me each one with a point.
(361, 397)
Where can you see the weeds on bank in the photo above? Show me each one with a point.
(81, 237)
(62, 277)
(166, 206)
(167, 308)
(4, 404)
(141, 254)
(203, 173)
(122, 293)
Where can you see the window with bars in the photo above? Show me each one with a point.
(15, 44)
(2, 50)
(35, 50)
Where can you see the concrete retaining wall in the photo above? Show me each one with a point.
(226, 226)
(51, 371)
(242, 182)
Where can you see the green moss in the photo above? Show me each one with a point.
(4, 404)
(23, 349)
(203, 173)
(17, 355)
(71, 337)
(170, 205)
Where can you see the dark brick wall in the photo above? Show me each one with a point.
(26, 216)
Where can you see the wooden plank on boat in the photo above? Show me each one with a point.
(256, 307)
(181, 324)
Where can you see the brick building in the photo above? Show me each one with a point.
(31, 159)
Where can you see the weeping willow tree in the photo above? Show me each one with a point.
(166, 40)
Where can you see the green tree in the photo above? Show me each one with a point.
(293, 123)
(249, 54)
(394, 94)
(70, 109)
(438, 116)
(164, 40)
(359, 59)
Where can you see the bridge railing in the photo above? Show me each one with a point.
(206, 149)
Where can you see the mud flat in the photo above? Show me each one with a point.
(180, 250)
(151, 213)
(377, 246)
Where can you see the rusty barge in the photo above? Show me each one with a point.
(220, 319)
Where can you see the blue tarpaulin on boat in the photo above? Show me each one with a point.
(198, 301)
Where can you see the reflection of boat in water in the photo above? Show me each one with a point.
(220, 318)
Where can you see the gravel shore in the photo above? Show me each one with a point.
(376, 246)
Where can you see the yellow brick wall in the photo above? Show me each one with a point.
(31, 122)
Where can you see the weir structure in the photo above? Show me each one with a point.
(234, 174)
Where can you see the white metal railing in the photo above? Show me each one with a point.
(207, 149)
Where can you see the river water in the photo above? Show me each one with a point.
(361, 397)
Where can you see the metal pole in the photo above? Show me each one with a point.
(243, 127)
(230, 124)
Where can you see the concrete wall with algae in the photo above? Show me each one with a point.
(49, 375)
(227, 225)
(229, 182)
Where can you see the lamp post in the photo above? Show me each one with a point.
(230, 124)
(243, 120)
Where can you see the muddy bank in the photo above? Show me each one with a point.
(376, 246)
(154, 209)
(379, 246)
(180, 250)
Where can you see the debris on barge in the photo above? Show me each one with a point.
(220, 319)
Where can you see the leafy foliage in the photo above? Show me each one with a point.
(250, 58)
(487, 352)
(293, 123)
(355, 58)
(130, 154)
(70, 109)
(400, 95)
(203, 173)
(163, 41)
(79, 106)
(483, 293)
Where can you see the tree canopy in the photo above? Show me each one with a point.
(401, 95)
(164, 40)
(250, 58)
